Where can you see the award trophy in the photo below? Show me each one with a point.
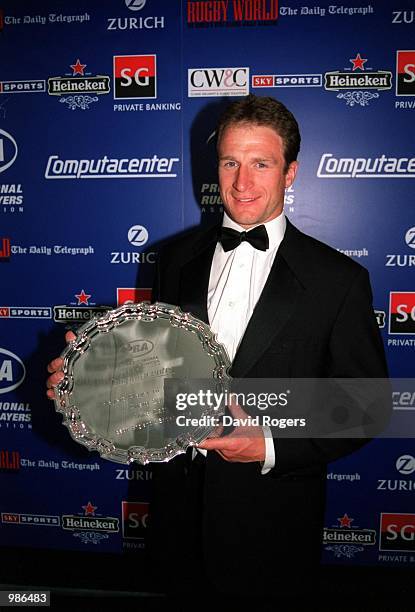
(112, 396)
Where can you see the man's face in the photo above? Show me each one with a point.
(252, 177)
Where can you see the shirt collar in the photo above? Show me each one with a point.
(275, 228)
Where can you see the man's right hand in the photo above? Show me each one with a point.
(55, 369)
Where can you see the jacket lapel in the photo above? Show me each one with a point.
(194, 279)
(273, 310)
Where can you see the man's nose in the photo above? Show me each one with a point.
(243, 179)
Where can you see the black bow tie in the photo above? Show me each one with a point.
(257, 237)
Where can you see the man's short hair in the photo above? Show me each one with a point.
(264, 111)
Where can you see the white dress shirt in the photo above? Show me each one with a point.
(236, 281)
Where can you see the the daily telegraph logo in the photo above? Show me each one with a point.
(357, 85)
(90, 527)
(403, 260)
(231, 13)
(402, 312)
(287, 80)
(132, 295)
(405, 465)
(105, 167)
(397, 532)
(8, 150)
(5, 249)
(210, 82)
(333, 167)
(30, 86)
(25, 312)
(9, 460)
(345, 539)
(78, 89)
(31, 520)
(80, 311)
(134, 519)
(135, 77)
(12, 371)
(405, 73)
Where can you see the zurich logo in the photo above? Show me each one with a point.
(137, 235)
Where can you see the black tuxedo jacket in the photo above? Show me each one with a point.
(314, 318)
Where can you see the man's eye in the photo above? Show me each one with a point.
(261, 165)
(229, 164)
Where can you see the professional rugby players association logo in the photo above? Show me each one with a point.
(359, 84)
(82, 88)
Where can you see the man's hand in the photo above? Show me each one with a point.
(245, 444)
(55, 369)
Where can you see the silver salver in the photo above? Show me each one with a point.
(112, 394)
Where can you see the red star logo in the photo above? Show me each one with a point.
(358, 62)
(82, 297)
(345, 521)
(89, 509)
(79, 68)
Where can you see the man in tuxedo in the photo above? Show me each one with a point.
(246, 510)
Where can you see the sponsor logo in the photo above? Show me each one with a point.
(25, 312)
(380, 318)
(128, 474)
(37, 520)
(51, 18)
(231, 13)
(397, 532)
(15, 415)
(89, 527)
(343, 477)
(287, 80)
(82, 88)
(345, 540)
(403, 16)
(156, 106)
(55, 465)
(57, 249)
(210, 200)
(365, 167)
(402, 312)
(135, 77)
(405, 465)
(135, 23)
(5, 249)
(358, 253)
(1, 19)
(137, 235)
(146, 167)
(320, 11)
(131, 295)
(12, 371)
(8, 150)
(207, 82)
(358, 88)
(134, 519)
(405, 78)
(9, 460)
(403, 261)
(403, 400)
(405, 73)
(80, 311)
(11, 197)
(33, 86)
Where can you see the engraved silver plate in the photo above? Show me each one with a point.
(112, 394)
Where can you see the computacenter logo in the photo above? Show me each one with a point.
(365, 167)
(114, 168)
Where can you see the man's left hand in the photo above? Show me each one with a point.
(245, 444)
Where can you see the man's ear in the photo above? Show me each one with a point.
(291, 173)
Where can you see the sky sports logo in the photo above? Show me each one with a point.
(287, 80)
(111, 168)
(135, 77)
(402, 312)
(25, 312)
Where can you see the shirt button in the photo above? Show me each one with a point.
(231, 304)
